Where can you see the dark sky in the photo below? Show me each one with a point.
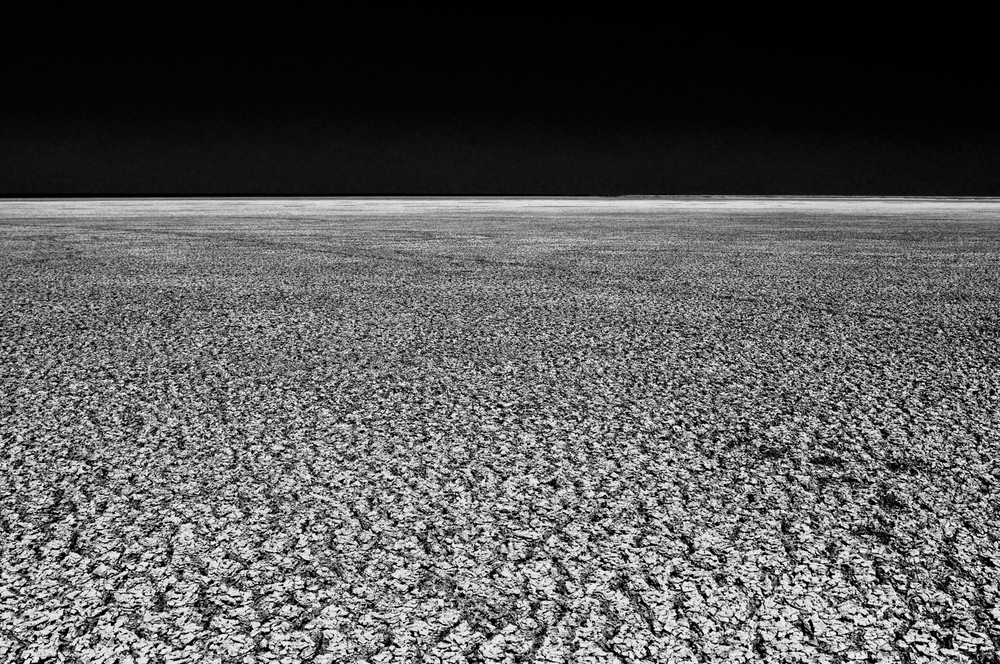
(513, 113)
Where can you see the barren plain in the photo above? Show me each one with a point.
(518, 430)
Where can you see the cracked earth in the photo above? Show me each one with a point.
(499, 431)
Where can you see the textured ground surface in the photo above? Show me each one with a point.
(707, 431)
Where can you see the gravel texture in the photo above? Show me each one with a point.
(499, 431)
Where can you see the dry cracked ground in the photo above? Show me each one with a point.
(499, 431)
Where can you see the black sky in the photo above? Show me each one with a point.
(512, 113)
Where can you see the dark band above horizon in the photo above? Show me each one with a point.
(309, 121)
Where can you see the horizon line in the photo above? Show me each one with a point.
(199, 196)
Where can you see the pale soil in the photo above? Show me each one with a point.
(697, 431)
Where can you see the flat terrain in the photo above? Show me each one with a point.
(706, 430)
